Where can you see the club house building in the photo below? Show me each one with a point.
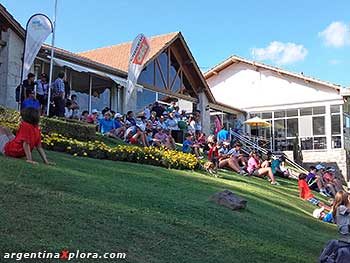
(314, 111)
(98, 77)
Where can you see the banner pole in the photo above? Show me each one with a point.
(51, 61)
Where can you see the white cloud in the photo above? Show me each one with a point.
(280, 53)
(335, 61)
(337, 34)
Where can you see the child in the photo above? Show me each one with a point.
(27, 137)
(305, 192)
(254, 168)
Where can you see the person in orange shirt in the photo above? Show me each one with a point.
(306, 194)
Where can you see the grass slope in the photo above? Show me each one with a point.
(153, 214)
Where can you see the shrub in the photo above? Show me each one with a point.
(127, 153)
(9, 115)
(76, 130)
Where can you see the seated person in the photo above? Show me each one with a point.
(315, 182)
(106, 125)
(277, 169)
(189, 147)
(268, 161)
(160, 137)
(27, 137)
(84, 116)
(330, 182)
(254, 168)
(169, 142)
(130, 117)
(213, 153)
(119, 125)
(236, 152)
(223, 135)
(68, 111)
(306, 194)
(136, 134)
(93, 117)
(30, 101)
(226, 160)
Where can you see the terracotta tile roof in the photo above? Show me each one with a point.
(234, 59)
(117, 56)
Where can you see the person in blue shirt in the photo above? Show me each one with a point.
(189, 147)
(30, 101)
(223, 135)
(106, 125)
(276, 167)
(58, 95)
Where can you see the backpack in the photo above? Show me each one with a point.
(336, 251)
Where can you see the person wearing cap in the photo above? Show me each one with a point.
(254, 168)
(30, 101)
(42, 87)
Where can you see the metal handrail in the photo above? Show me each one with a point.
(256, 147)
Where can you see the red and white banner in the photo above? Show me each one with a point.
(38, 28)
(139, 51)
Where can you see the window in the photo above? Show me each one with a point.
(335, 120)
(318, 125)
(144, 98)
(305, 111)
(320, 143)
(319, 110)
(266, 115)
(280, 128)
(306, 143)
(336, 142)
(335, 108)
(280, 114)
(100, 98)
(292, 127)
(292, 113)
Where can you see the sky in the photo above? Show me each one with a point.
(310, 36)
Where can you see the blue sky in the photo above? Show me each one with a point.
(303, 36)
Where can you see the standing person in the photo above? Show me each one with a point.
(27, 138)
(28, 84)
(58, 95)
(157, 109)
(254, 168)
(42, 88)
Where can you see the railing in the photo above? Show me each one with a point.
(248, 146)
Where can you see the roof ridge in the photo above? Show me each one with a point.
(124, 43)
(274, 68)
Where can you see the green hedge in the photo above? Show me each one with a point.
(75, 130)
(71, 129)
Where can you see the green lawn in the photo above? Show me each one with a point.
(153, 214)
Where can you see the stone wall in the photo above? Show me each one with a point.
(10, 69)
(337, 158)
(205, 114)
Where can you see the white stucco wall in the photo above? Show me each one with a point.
(10, 69)
(242, 86)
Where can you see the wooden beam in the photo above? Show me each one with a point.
(167, 92)
(177, 74)
(161, 73)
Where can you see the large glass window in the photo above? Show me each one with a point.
(280, 114)
(144, 98)
(292, 113)
(266, 115)
(100, 98)
(320, 143)
(280, 128)
(318, 125)
(335, 119)
(292, 127)
(305, 111)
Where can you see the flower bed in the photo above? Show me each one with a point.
(99, 150)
